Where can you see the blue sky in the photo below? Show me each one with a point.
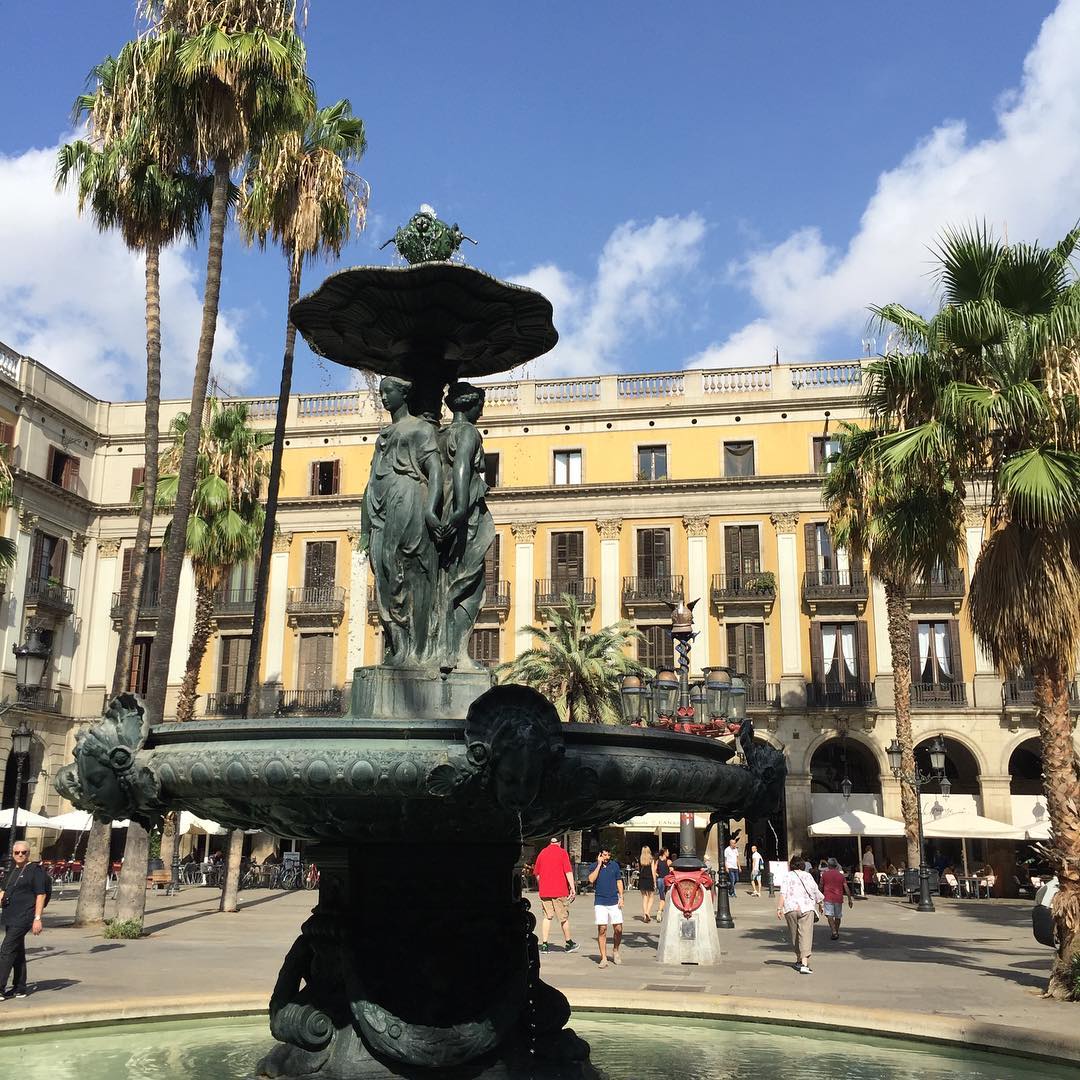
(695, 186)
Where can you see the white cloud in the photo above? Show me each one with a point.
(73, 298)
(636, 275)
(1024, 180)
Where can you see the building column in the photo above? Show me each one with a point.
(85, 628)
(276, 596)
(798, 806)
(101, 641)
(986, 682)
(891, 799)
(792, 681)
(996, 797)
(358, 592)
(184, 625)
(884, 693)
(17, 587)
(64, 649)
(610, 591)
(697, 587)
(524, 533)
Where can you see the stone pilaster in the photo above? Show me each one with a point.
(697, 587)
(792, 683)
(610, 530)
(524, 533)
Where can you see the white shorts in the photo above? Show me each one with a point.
(610, 914)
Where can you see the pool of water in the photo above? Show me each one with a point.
(624, 1047)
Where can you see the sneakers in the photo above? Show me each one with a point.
(22, 993)
(571, 946)
(804, 970)
(615, 957)
(603, 961)
(543, 946)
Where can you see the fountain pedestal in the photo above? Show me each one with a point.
(399, 693)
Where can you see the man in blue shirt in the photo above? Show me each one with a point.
(606, 877)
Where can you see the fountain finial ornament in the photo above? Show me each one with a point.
(426, 238)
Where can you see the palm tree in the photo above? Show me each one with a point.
(991, 386)
(300, 191)
(123, 187)
(579, 670)
(907, 525)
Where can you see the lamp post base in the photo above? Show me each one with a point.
(925, 901)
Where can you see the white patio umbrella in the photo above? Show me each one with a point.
(965, 826)
(77, 821)
(191, 823)
(857, 823)
(25, 820)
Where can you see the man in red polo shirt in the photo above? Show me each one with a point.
(555, 883)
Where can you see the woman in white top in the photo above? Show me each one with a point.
(798, 900)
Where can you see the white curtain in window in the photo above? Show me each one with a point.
(841, 565)
(575, 467)
(824, 549)
(847, 643)
(562, 471)
(828, 646)
(941, 648)
(924, 646)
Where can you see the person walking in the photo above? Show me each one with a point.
(606, 879)
(834, 885)
(22, 900)
(663, 868)
(647, 883)
(757, 868)
(555, 883)
(731, 865)
(799, 898)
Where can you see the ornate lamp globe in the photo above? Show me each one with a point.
(896, 756)
(718, 691)
(631, 695)
(666, 693)
(937, 755)
(737, 706)
(845, 787)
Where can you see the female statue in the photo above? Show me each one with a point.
(399, 522)
(468, 528)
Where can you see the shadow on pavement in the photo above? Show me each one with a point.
(244, 905)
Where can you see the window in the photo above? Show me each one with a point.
(568, 556)
(826, 564)
(48, 559)
(935, 652)
(738, 459)
(652, 463)
(567, 467)
(316, 668)
(7, 440)
(484, 646)
(741, 552)
(491, 469)
(151, 575)
(232, 668)
(746, 650)
(492, 566)
(63, 470)
(839, 655)
(138, 475)
(239, 582)
(654, 553)
(320, 562)
(139, 672)
(825, 446)
(658, 649)
(325, 477)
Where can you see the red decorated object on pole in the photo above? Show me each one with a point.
(686, 888)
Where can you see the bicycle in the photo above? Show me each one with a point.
(311, 878)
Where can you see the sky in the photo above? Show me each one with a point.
(710, 185)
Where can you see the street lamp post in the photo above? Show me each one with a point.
(917, 781)
(21, 739)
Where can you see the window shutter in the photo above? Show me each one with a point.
(337, 477)
(7, 439)
(58, 560)
(916, 673)
(955, 657)
(314, 478)
(36, 559)
(817, 664)
(755, 650)
(125, 573)
(71, 474)
(748, 536)
(732, 548)
(810, 539)
(862, 651)
(819, 454)
(138, 475)
(49, 466)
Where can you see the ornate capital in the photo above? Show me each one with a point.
(108, 548)
(282, 543)
(696, 524)
(354, 538)
(27, 521)
(785, 522)
(609, 528)
(974, 517)
(78, 542)
(524, 532)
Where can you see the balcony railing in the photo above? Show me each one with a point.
(310, 702)
(39, 698)
(45, 593)
(149, 605)
(229, 703)
(1020, 693)
(317, 600)
(496, 595)
(550, 591)
(652, 590)
(757, 585)
(927, 695)
(834, 585)
(235, 601)
(763, 695)
(830, 695)
(947, 584)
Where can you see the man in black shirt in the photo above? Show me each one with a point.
(22, 900)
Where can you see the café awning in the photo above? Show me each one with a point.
(968, 826)
(857, 823)
(25, 820)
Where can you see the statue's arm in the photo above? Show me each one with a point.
(433, 470)
(462, 476)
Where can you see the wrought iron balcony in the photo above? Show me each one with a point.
(637, 591)
(235, 601)
(928, 695)
(835, 695)
(946, 583)
(310, 702)
(550, 591)
(1020, 694)
(317, 600)
(229, 703)
(38, 698)
(762, 695)
(756, 585)
(50, 594)
(149, 605)
(834, 585)
(496, 595)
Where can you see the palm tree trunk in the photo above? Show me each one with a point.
(230, 891)
(204, 627)
(1061, 782)
(131, 893)
(899, 622)
(90, 908)
(185, 484)
(262, 576)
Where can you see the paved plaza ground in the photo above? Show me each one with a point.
(972, 967)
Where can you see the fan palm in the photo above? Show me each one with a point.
(991, 386)
(579, 670)
(300, 191)
(8, 547)
(907, 525)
